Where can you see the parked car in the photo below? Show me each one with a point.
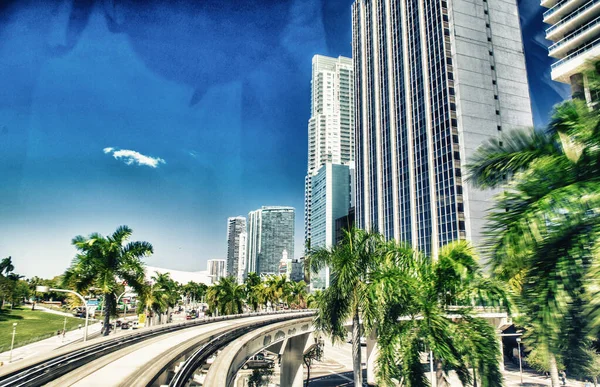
(135, 325)
(259, 361)
(124, 325)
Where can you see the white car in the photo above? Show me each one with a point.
(135, 325)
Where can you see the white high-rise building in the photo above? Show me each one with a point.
(434, 80)
(575, 31)
(236, 247)
(331, 124)
(216, 269)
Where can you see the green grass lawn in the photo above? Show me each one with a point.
(31, 326)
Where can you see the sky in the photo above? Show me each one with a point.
(167, 118)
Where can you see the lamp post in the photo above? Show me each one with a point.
(520, 363)
(46, 289)
(12, 343)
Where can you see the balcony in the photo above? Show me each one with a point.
(562, 9)
(575, 39)
(548, 3)
(579, 17)
(575, 61)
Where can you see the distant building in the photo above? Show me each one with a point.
(331, 197)
(285, 265)
(236, 247)
(575, 31)
(346, 222)
(216, 269)
(297, 272)
(270, 233)
(331, 123)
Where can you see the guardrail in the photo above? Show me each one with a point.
(49, 369)
(186, 371)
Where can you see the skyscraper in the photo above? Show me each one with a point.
(331, 193)
(434, 80)
(216, 269)
(236, 247)
(270, 238)
(331, 124)
(575, 31)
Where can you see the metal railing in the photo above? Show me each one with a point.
(556, 7)
(574, 34)
(573, 15)
(575, 54)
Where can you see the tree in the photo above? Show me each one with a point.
(545, 226)
(194, 291)
(226, 296)
(254, 291)
(104, 263)
(348, 295)
(276, 289)
(297, 295)
(165, 293)
(314, 353)
(426, 306)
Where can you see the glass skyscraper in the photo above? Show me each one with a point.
(434, 79)
(270, 238)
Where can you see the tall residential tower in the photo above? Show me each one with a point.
(331, 123)
(434, 80)
(575, 31)
(236, 247)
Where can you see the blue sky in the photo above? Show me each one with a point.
(166, 118)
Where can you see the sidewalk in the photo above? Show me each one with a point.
(512, 377)
(48, 344)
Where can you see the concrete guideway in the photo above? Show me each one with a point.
(295, 337)
(139, 364)
(48, 367)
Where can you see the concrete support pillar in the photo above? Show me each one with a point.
(372, 354)
(577, 86)
(292, 373)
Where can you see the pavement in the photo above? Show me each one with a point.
(55, 342)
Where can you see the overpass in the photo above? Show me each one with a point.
(174, 354)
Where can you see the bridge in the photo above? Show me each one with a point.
(176, 354)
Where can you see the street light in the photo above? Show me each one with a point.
(12, 344)
(520, 363)
(124, 307)
(46, 289)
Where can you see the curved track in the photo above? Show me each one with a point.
(134, 359)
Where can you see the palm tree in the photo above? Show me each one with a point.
(420, 299)
(347, 297)
(254, 291)
(165, 294)
(226, 296)
(545, 226)
(105, 262)
(298, 294)
(6, 266)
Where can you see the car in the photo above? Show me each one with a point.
(135, 325)
(258, 361)
(118, 323)
(124, 325)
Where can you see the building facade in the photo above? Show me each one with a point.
(216, 269)
(433, 80)
(331, 196)
(575, 31)
(270, 238)
(331, 123)
(236, 247)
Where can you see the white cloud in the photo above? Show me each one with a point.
(131, 157)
